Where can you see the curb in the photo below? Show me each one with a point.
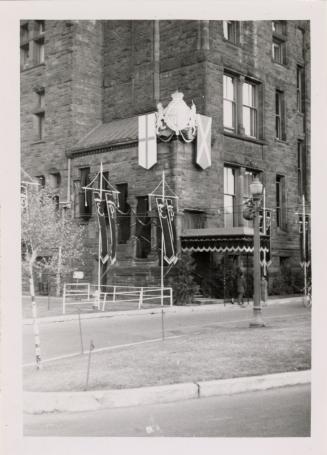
(45, 402)
(173, 309)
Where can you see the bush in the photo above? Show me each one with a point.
(289, 281)
(182, 281)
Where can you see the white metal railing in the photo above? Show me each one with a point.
(86, 294)
(132, 294)
(75, 294)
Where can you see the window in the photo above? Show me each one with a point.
(24, 55)
(40, 27)
(232, 31)
(229, 196)
(301, 167)
(279, 42)
(280, 202)
(300, 88)
(279, 27)
(39, 51)
(54, 180)
(39, 115)
(85, 197)
(124, 217)
(229, 103)
(280, 115)
(194, 219)
(24, 32)
(241, 105)
(32, 43)
(279, 51)
(40, 179)
(300, 42)
(249, 109)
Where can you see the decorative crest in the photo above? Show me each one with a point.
(177, 118)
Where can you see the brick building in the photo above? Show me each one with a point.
(84, 84)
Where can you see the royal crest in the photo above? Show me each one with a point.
(177, 118)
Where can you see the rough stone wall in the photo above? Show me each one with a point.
(72, 79)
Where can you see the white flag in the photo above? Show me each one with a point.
(203, 141)
(147, 151)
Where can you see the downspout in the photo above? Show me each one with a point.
(68, 201)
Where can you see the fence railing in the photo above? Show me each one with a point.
(85, 293)
(75, 294)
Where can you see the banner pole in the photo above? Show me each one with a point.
(162, 238)
(99, 248)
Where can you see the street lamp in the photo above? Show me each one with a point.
(256, 188)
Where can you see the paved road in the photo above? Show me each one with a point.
(283, 412)
(62, 338)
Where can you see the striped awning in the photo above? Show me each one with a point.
(221, 240)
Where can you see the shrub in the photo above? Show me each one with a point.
(182, 281)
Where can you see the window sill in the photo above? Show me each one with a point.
(41, 141)
(245, 138)
(33, 66)
(281, 141)
(282, 65)
(238, 45)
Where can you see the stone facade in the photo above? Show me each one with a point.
(100, 71)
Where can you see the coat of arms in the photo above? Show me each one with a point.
(177, 118)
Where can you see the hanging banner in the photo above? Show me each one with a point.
(147, 146)
(166, 217)
(112, 228)
(203, 141)
(101, 206)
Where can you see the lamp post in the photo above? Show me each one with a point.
(256, 188)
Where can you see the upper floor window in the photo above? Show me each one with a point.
(24, 32)
(279, 27)
(39, 51)
(32, 47)
(241, 106)
(232, 31)
(280, 129)
(40, 27)
(300, 88)
(300, 42)
(279, 51)
(39, 115)
(250, 109)
(229, 102)
(279, 42)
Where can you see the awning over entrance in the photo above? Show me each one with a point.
(222, 240)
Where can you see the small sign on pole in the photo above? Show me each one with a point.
(77, 275)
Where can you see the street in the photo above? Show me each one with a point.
(63, 338)
(282, 412)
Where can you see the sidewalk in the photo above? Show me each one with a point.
(52, 312)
